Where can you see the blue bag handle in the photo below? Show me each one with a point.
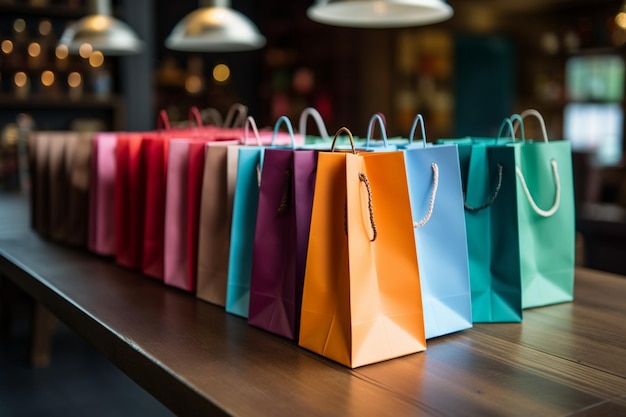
(418, 119)
(284, 120)
(377, 117)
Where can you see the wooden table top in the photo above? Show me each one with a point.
(563, 360)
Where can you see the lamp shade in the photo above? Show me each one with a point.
(215, 28)
(379, 13)
(102, 31)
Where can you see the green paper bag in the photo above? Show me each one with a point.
(546, 218)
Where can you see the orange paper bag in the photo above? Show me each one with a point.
(361, 299)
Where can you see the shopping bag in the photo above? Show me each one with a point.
(281, 237)
(245, 202)
(218, 189)
(182, 206)
(129, 200)
(434, 180)
(488, 177)
(39, 197)
(57, 184)
(154, 154)
(545, 218)
(102, 194)
(78, 154)
(361, 300)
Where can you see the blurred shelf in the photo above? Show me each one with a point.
(54, 11)
(60, 102)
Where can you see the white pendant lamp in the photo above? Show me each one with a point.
(215, 27)
(102, 31)
(379, 13)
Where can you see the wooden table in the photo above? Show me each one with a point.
(563, 360)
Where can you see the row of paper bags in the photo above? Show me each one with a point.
(326, 246)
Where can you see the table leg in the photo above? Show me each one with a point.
(44, 324)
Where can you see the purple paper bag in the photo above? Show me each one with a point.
(281, 240)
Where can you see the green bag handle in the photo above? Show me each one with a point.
(555, 171)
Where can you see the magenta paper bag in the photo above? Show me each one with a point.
(281, 238)
(175, 259)
(102, 195)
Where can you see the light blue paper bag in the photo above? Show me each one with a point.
(440, 234)
(245, 202)
(436, 196)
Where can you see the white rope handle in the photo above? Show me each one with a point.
(557, 197)
(535, 113)
(246, 131)
(317, 117)
(433, 196)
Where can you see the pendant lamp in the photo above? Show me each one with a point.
(379, 13)
(215, 27)
(102, 31)
(620, 17)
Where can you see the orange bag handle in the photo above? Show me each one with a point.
(370, 204)
(339, 132)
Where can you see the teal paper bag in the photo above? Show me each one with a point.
(488, 178)
(546, 219)
(245, 202)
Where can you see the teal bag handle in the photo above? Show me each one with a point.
(377, 117)
(418, 119)
(505, 123)
(555, 170)
(284, 120)
(508, 122)
(317, 117)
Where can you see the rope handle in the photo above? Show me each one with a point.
(317, 117)
(508, 122)
(370, 205)
(380, 118)
(339, 132)
(418, 119)
(493, 196)
(433, 196)
(557, 196)
(241, 113)
(250, 123)
(163, 122)
(195, 116)
(538, 116)
(284, 120)
(212, 116)
(284, 199)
